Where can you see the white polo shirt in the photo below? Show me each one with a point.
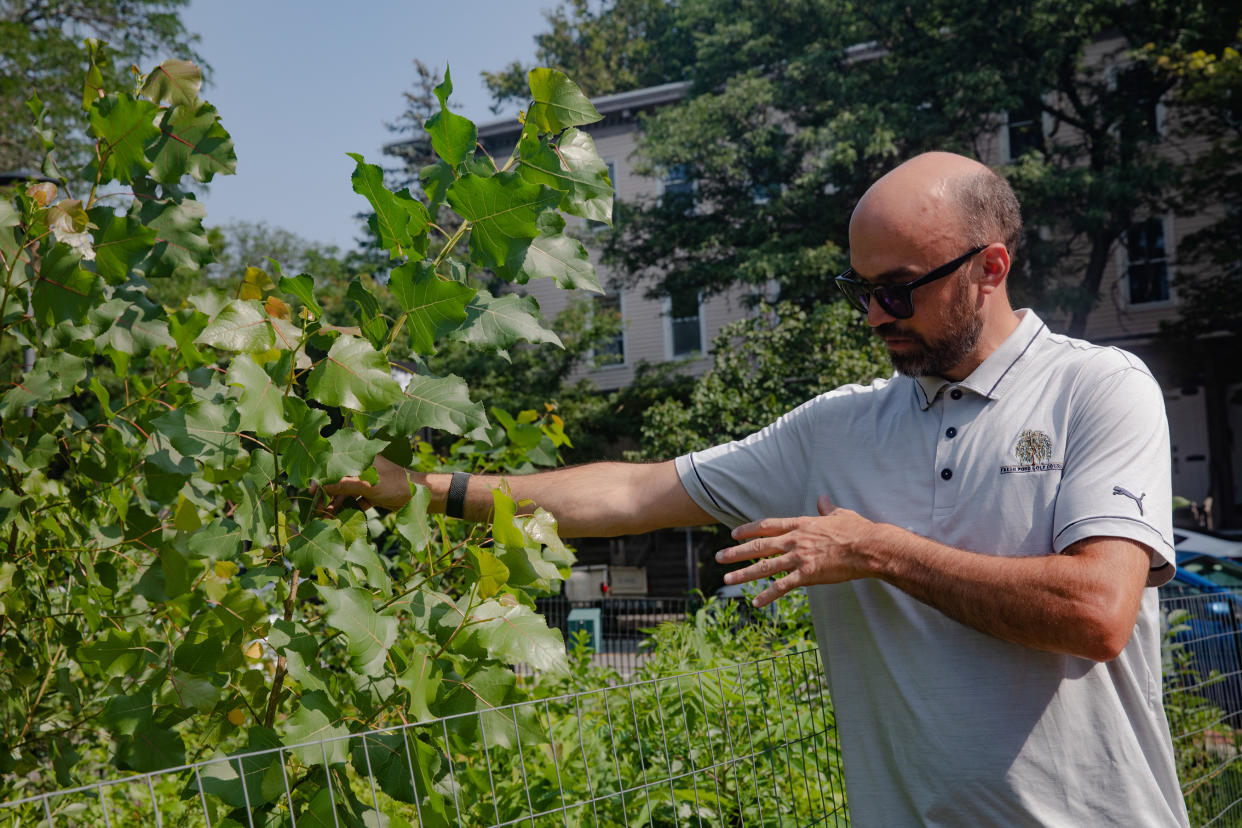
(1049, 441)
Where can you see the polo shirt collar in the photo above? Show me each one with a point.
(999, 371)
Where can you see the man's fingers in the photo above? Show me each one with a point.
(352, 486)
(762, 569)
(825, 505)
(776, 589)
(765, 528)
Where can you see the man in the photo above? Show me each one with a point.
(979, 535)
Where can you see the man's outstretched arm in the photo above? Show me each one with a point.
(595, 500)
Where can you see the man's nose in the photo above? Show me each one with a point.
(876, 315)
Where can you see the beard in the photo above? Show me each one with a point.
(959, 328)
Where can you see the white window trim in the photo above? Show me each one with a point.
(1045, 128)
(666, 311)
(1123, 260)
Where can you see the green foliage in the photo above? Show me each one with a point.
(169, 582)
(765, 366)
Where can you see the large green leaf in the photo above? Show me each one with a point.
(124, 126)
(65, 290)
(502, 321)
(314, 720)
(516, 634)
(303, 287)
(175, 82)
(559, 257)
(121, 243)
(242, 325)
(369, 633)
(264, 781)
(305, 453)
(436, 402)
(503, 210)
(300, 647)
(117, 652)
(192, 142)
(354, 375)
(436, 179)
(557, 102)
(181, 244)
(204, 431)
(130, 327)
(318, 545)
(151, 750)
(572, 166)
(53, 378)
(434, 307)
(370, 319)
(260, 401)
(452, 136)
(411, 520)
(400, 220)
(350, 454)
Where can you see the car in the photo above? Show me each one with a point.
(1207, 543)
(1204, 601)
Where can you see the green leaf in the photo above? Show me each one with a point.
(264, 781)
(117, 653)
(350, 454)
(353, 375)
(260, 401)
(133, 328)
(319, 545)
(518, 635)
(434, 307)
(317, 719)
(241, 326)
(124, 126)
(452, 136)
(573, 167)
(501, 322)
(557, 102)
(121, 243)
(411, 520)
(370, 320)
(305, 454)
(383, 758)
(65, 291)
(400, 220)
(151, 750)
(369, 633)
(219, 540)
(300, 647)
(181, 245)
(54, 378)
(255, 513)
(303, 287)
(436, 179)
(559, 257)
(436, 402)
(192, 142)
(203, 431)
(492, 574)
(503, 210)
(175, 82)
(421, 679)
(128, 714)
(504, 528)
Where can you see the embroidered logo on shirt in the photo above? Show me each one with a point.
(1138, 499)
(1034, 453)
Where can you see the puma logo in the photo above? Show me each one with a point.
(1138, 499)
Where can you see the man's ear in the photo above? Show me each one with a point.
(995, 267)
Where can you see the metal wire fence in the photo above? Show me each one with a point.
(623, 624)
(749, 744)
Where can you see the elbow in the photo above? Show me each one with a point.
(1104, 634)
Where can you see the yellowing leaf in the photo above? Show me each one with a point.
(255, 650)
(237, 716)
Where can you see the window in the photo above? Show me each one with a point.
(1025, 130)
(1141, 119)
(679, 188)
(1147, 268)
(613, 351)
(685, 334)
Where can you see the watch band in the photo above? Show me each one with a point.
(455, 503)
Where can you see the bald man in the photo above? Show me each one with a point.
(979, 535)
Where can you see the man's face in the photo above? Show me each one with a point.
(943, 332)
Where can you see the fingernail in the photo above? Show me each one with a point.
(719, 556)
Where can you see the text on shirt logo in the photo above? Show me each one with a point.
(1034, 453)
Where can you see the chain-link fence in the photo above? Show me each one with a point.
(749, 744)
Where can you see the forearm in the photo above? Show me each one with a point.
(1079, 602)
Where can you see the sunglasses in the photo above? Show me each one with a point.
(895, 299)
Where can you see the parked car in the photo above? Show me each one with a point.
(1207, 543)
(1209, 589)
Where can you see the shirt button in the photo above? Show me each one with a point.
(950, 432)
(956, 393)
(946, 473)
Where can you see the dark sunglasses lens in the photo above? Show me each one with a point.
(854, 292)
(895, 300)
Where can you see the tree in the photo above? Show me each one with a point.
(763, 367)
(613, 46)
(42, 49)
(796, 109)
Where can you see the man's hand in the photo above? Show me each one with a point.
(391, 491)
(812, 550)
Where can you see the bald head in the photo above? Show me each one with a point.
(939, 198)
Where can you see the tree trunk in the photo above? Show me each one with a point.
(1101, 245)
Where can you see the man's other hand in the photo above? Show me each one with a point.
(391, 491)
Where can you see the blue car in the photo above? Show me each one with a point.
(1207, 656)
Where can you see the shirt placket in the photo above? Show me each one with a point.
(946, 472)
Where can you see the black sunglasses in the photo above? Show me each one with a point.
(895, 299)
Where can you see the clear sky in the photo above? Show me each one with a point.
(299, 83)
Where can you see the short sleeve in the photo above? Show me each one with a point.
(757, 477)
(1116, 481)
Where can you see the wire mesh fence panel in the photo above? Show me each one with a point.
(623, 625)
(747, 744)
(1203, 700)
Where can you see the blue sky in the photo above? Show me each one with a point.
(299, 84)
